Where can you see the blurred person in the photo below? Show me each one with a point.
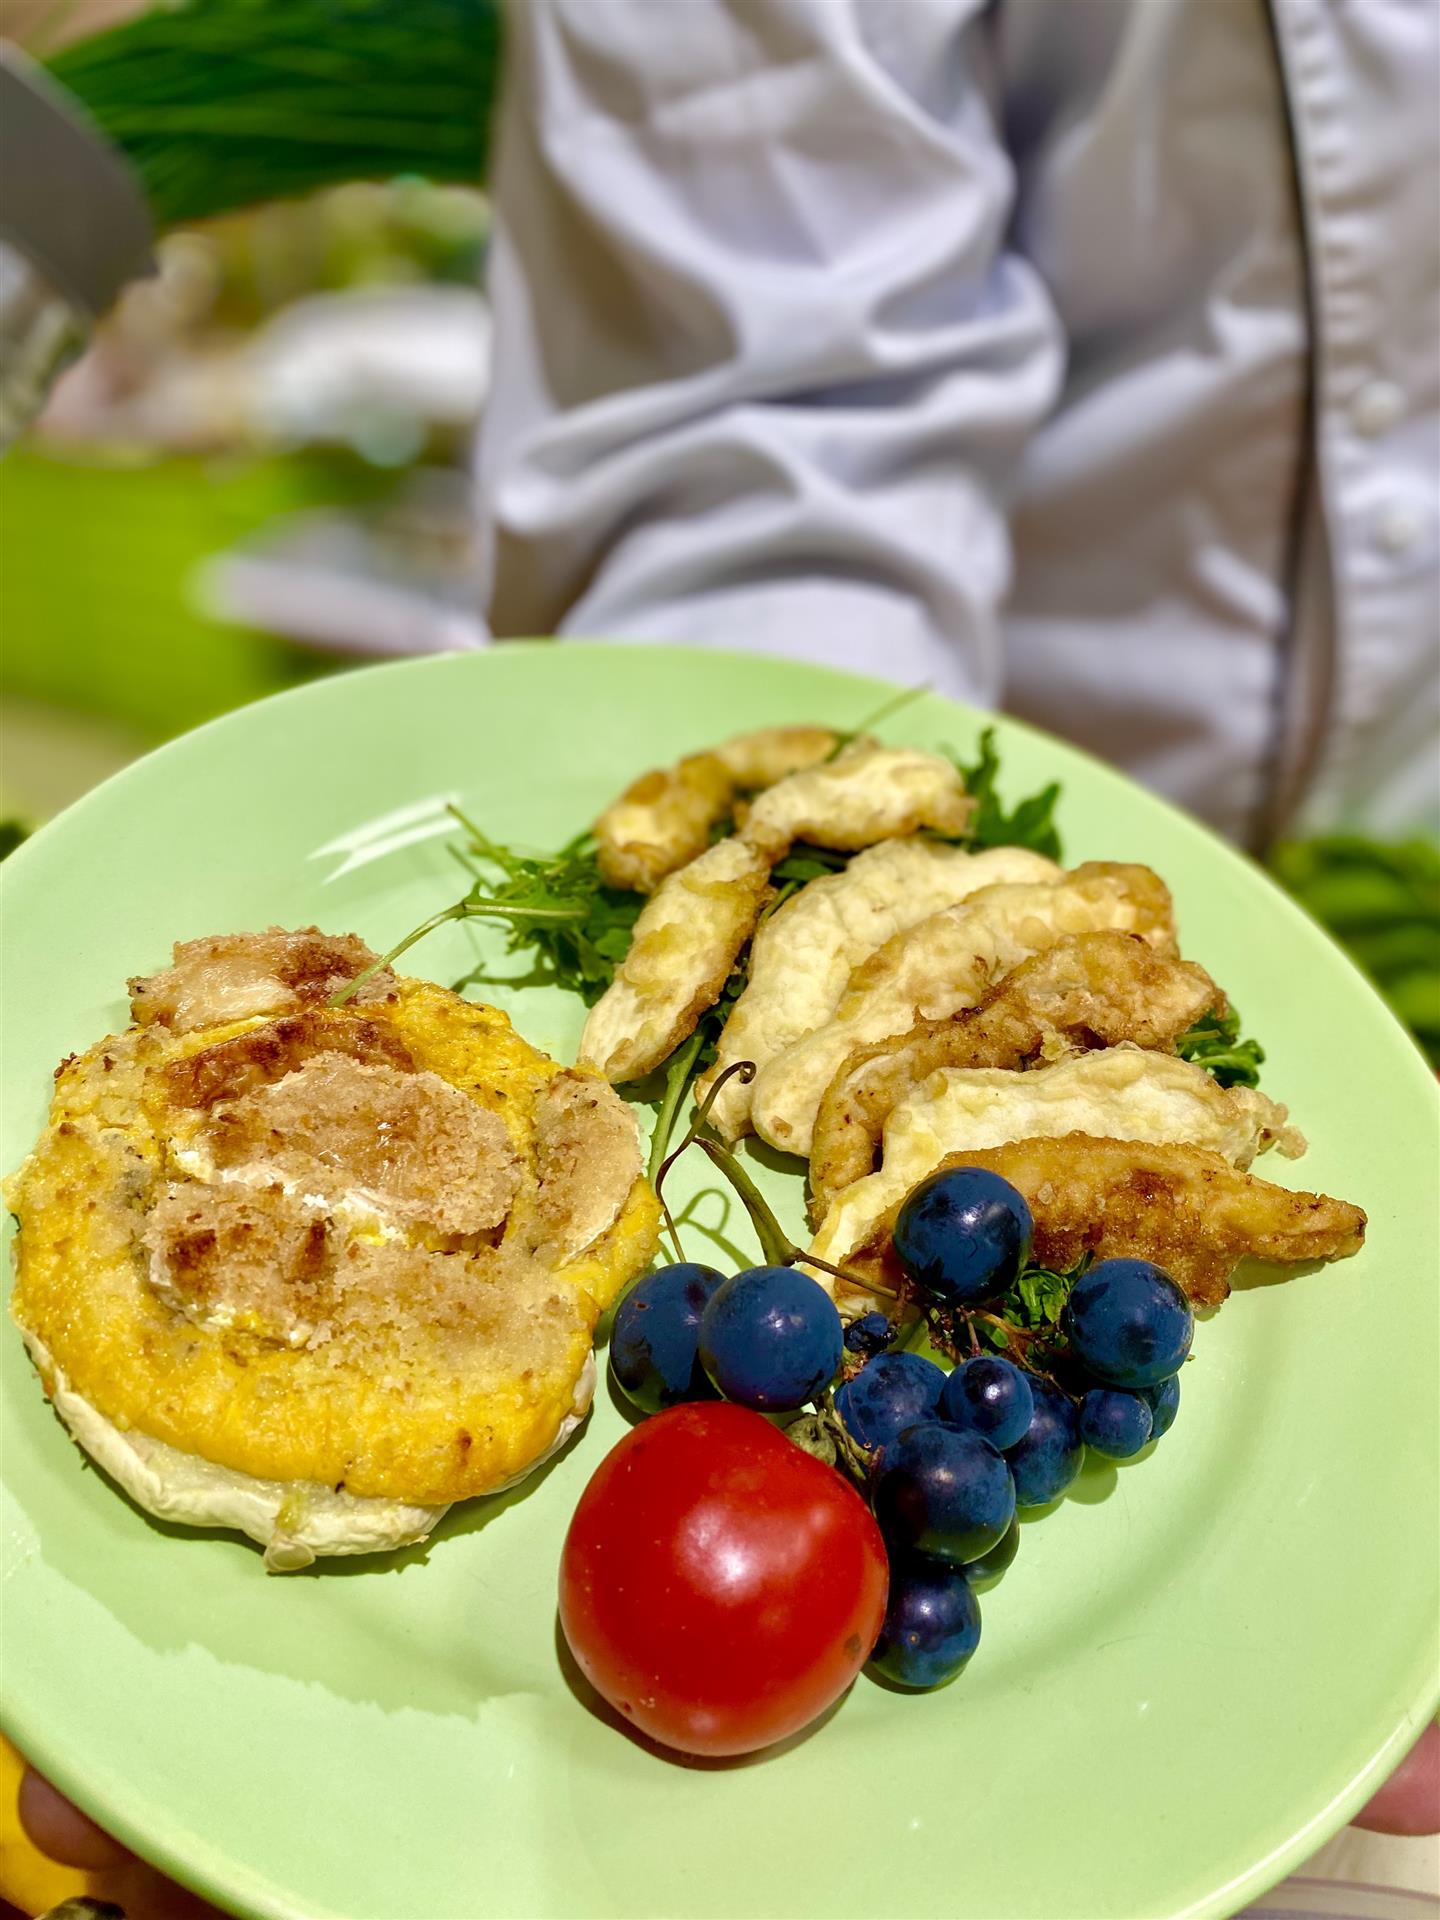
(1073, 356)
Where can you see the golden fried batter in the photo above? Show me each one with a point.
(946, 963)
(663, 820)
(866, 794)
(682, 949)
(1119, 1093)
(1090, 990)
(804, 953)
(690, 934)
(1183, 1207)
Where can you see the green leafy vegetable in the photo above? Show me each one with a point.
(1381, 901)
(1031, 823)
(801, 865)
(1038, 1296)
(1214, 1043)
(804, 863)
(228, 103)
(1034, 1303)
(559, 908)
(554, 905)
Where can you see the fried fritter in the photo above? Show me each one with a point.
(867, 793)
(1121, 1093)
(690, 933)
(681, 952)
(1183, 1207)
(946, 963)
(316, 1276)
(1089, 990)
(663, 820)
(804, 954)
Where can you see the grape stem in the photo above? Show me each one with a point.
(856, 1457)
(776, 1246)
(678, 1076)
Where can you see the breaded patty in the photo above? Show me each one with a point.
(359, 1249)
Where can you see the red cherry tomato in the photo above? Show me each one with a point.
(719, 1587)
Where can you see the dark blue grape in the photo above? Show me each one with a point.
(1115, 1423)
(991, 1397)
(891, 1392)
(654, 1342)
(770, 1339)
(932, 1625)
(1164, 1404)
(943, 1493)
(963, 1236)
(991, 1565)
(871, 1333)
(1048, 1458)
(1129, 1324)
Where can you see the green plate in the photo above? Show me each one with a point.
(1198, 1666)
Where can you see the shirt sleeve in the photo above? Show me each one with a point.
(765, 367)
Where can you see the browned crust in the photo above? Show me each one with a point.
(229, 976)
(631, 1028)
(1183, 1207)
(427, 1152)
(684, 802)
(256, 1255)
(268, 1052)
(1090, 990)
(587, 1160)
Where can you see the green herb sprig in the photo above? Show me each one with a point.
(1214, 1043)
(1030, 823)
(556, 906)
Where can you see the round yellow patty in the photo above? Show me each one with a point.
(365, 1247)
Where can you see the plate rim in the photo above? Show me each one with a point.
(225, 1879)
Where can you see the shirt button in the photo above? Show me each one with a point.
(1376, 408)
(1398, 528)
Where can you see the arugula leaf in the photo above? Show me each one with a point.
(1031, 823)
(1214, 1043)
(802, 864)
(558, 907)
(555, 905)
(1032, 1306)
(1040, 1295)
(805, 862)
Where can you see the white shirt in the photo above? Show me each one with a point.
(1077, 356)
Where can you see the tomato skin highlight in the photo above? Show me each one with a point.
(719, 1587)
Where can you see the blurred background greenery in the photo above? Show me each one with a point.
(259, 471)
